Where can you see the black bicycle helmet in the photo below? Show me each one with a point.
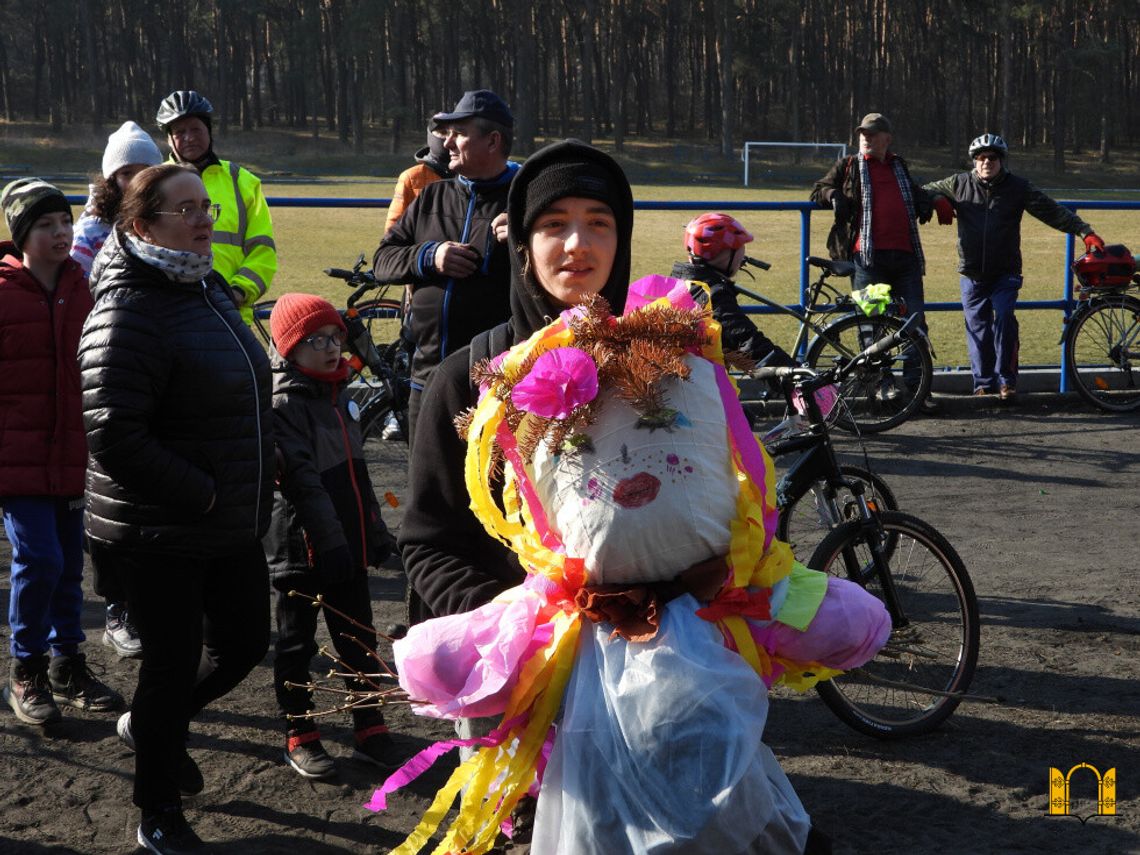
(988, 142)
(183, 102)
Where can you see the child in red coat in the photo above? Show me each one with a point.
(43, 455)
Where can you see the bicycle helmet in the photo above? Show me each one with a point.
(1112, 268)
(183, 102)
(988, 142)
(710, 234)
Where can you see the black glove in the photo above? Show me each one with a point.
(841, 204)
(335, 565)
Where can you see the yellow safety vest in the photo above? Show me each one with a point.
(244, 251)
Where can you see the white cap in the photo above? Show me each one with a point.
(129, 144)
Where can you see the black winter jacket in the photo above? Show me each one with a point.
(843, 179)
(176, 404)
(447, 313)
(325, 499)
(989, 220)
(737, 331)
(452, 564)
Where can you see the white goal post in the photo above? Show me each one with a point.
(841, 148)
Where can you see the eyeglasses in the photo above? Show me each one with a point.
(987, 157)
(321, 342)
(190, 213)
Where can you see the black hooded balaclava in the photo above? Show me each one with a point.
(568, 168)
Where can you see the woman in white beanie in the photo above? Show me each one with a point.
(129, 151)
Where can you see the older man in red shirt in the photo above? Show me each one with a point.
(877, 210)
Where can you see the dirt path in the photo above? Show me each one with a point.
(1041, 502)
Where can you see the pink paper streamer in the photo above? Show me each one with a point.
(751, 457)
(423, 761)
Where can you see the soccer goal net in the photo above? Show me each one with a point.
(758, 151)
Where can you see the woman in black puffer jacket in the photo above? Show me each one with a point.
(176, 404)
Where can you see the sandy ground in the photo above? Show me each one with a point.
(1041, 502)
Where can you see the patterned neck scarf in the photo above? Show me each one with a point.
(866, 249)
(179, 265)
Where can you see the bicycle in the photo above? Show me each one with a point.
(872, 400)
(922, 673)
(1102, 336)
(380, 383)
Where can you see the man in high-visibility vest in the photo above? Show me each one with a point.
(244, 251)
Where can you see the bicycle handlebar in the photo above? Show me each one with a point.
(755, 262)
(338, 273)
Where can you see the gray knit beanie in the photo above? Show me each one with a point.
(24, 201)
(129, 144)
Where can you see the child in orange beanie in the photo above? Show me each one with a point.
(326, 529)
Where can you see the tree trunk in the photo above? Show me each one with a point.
(725, 27)
(526, 106)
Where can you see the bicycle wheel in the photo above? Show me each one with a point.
(875, 397)
(1100, 343)
(386, 453)
(806, 516)
(915, 681)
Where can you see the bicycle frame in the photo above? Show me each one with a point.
(819, 462)
(841, 308)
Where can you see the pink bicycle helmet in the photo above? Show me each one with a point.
(710, 234)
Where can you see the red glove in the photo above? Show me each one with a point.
(945, 210)
(1093, 243)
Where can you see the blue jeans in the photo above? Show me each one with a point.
(902, 272)
(47, 574)
(991, 329)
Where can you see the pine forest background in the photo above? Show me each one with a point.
(1060, 76)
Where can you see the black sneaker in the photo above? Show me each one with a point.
(73, 684)
(375, 746)
(29, 693)
(188, 777)
(168, 833)
(307, 757)
(119, 633)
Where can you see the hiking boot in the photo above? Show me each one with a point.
(119, 633)
(982, 392)
(168, 833)
(188, 776)
(28, 692)
(1007, 393)
(306, 756)
(73, 684)
(375, 746)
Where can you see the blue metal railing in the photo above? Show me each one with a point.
(1065, 304)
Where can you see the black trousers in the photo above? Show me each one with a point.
(296, 638)
(204, 625)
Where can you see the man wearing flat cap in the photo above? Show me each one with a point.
(878, 207)
(450, 242)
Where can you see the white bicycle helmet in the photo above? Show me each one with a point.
(988, 142)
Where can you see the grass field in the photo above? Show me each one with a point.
(308, 240)
(312, 239)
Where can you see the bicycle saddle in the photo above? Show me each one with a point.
(836, 268)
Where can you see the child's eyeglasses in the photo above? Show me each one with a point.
(190, 213)
(321, 342)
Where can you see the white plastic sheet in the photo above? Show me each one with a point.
(660, 751)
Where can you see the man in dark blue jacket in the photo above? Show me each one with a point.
(449, 243)
(989, 202)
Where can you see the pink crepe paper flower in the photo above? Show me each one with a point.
(561, 379)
